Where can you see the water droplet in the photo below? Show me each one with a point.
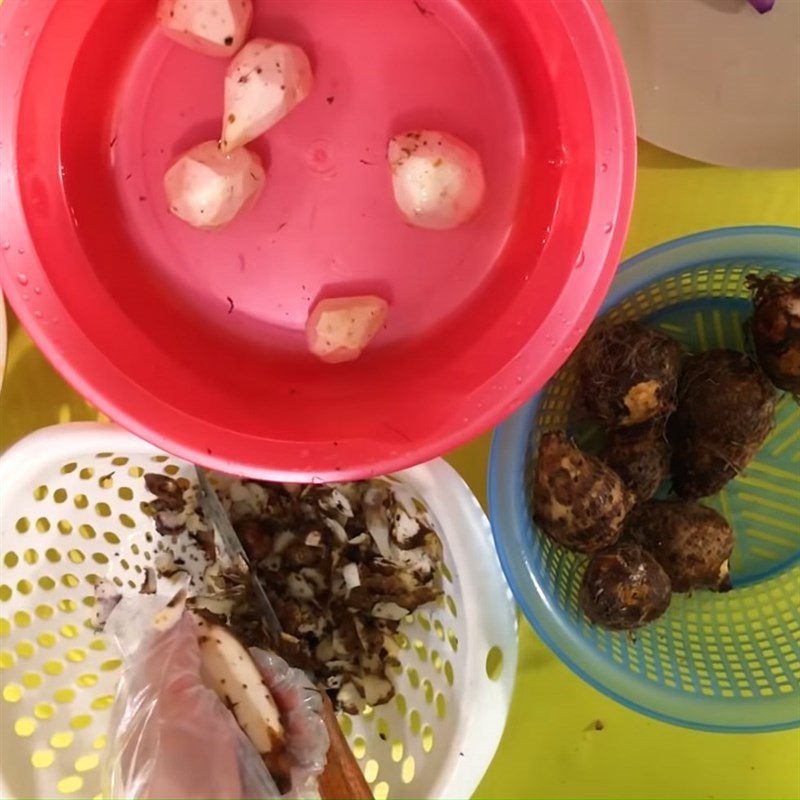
(581, 259)
(23, 279)
(608, 227)
(38, 314)
(518, 379)
(604, 167)
(20, 251)
(37, 289)
(26, 31)
(3, 40)
(26, 296)
(6, 245)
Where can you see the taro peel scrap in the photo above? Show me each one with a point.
(149, 583)
(106, 597)
(186, 550)
(343, 565)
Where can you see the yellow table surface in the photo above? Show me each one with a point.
(551, 747)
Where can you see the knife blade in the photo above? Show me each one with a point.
(215, 513)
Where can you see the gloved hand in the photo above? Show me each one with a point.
(172, 737)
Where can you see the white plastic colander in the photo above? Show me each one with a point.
(71, 511)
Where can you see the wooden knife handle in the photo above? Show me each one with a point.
(342, 778)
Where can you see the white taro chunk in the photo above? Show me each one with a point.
(437, 179)
(229, 670)
(212, 27)
(339, 328)
(207, 188)
(263, 83)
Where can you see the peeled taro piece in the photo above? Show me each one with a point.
(263, 83)
(437, 179)
(211, 27)
(339, 328)
(578, 500)
(207, 188)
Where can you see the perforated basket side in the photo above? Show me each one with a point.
(721, 662)
(74, 509)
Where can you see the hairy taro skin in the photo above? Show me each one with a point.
(624, 587)
(577, 500)
(775, 327)
(628, 374)
(640, 455)
(726, 408)
(693, 543)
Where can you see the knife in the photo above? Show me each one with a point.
(341, 779)
(214, 512)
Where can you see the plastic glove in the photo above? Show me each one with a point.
(171, 737)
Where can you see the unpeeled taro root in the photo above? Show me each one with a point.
(775, 326)
(578, 500)
(692, 542)
(725, 410)
(640, 455)
(624, 587)
(628, 374)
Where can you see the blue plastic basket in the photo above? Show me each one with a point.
(721, 662)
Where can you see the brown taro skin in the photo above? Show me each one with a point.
(640, 455)
(775, 326)
(628, 374)
(624, 587)
(692, 543)
(726, 408)
(577, 500)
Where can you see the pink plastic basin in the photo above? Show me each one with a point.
(195, 340)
